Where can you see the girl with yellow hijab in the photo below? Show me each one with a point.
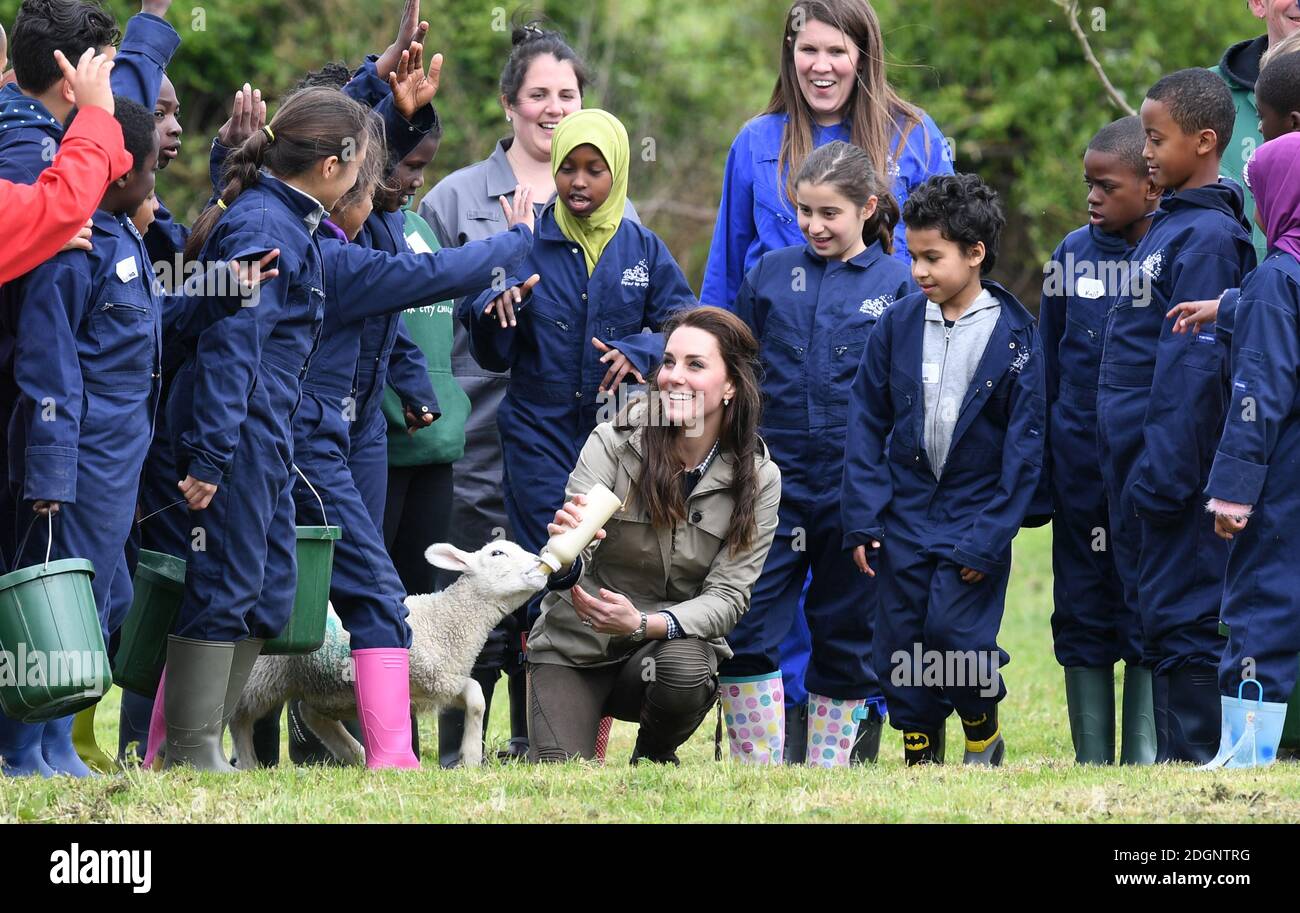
(569, 325)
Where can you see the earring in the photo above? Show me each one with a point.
(508, 120)
(726, 401)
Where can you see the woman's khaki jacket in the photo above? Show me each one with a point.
(688, 569)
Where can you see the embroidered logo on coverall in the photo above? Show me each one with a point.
(874, 307)
(638, 276)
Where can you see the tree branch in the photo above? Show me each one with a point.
(1071, 8)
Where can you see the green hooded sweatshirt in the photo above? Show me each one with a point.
(430, 328)
(1239, 68)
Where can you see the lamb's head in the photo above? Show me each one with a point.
(502, 571)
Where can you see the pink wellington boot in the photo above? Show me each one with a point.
(383, 686)
(157, 728)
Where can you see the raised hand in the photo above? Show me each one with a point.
(247, 116)
(409, 28)
(89, 79)
(412, 87)
(157, 8)
(519, 212)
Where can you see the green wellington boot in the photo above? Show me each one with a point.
(1090, 700)
(198, 674)
(1138, 718)
(83, 741)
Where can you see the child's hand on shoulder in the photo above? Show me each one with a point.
(79, 241)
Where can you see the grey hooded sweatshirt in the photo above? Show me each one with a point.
(949, 358)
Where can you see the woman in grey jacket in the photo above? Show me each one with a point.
(635, 628)
(541, 84)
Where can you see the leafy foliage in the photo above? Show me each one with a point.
(1007, 82)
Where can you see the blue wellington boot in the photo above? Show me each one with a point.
(58, 750)
(20, 749)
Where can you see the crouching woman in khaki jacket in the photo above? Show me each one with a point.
(635, 627)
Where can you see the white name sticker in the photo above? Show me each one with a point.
(1090, 288)
(127, 270)
(929, 373)
(417, 244)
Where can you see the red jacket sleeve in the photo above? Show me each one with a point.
(36, 220)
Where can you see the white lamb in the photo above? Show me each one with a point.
(448, 631)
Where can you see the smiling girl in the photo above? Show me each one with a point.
(811, 339)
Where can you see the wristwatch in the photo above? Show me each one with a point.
(639, 634)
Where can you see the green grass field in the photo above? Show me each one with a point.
(1039, 783)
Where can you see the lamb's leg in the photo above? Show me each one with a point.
(334, 736)
(241, 737)
(471, 743)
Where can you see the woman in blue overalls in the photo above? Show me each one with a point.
(831, 81)
(571, 332)
(811, 308)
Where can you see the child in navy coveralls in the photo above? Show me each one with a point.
(570, 333)
(1255, 480)
(812, 308)
(1095, 623)
(943, 458)
(1160, 405)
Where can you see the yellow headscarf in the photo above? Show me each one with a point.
(592, 126)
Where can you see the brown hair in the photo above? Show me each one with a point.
(311, 125)
(373, 177)
(873, 107)
(659, 486)
(848, 169)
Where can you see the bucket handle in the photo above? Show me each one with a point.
(1259, 700)
(160, 510)
(49, 542)
(324, 519)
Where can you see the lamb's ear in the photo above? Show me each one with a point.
(447, 556)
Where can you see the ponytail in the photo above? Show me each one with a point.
(312, 124)
(849, 170)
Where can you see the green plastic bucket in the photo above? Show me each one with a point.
(305, 631)
(52, 657)
(1291, 729)
(159, 587)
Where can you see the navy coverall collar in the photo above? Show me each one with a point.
(306, 206)
(1225, 196)
(863, 260)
